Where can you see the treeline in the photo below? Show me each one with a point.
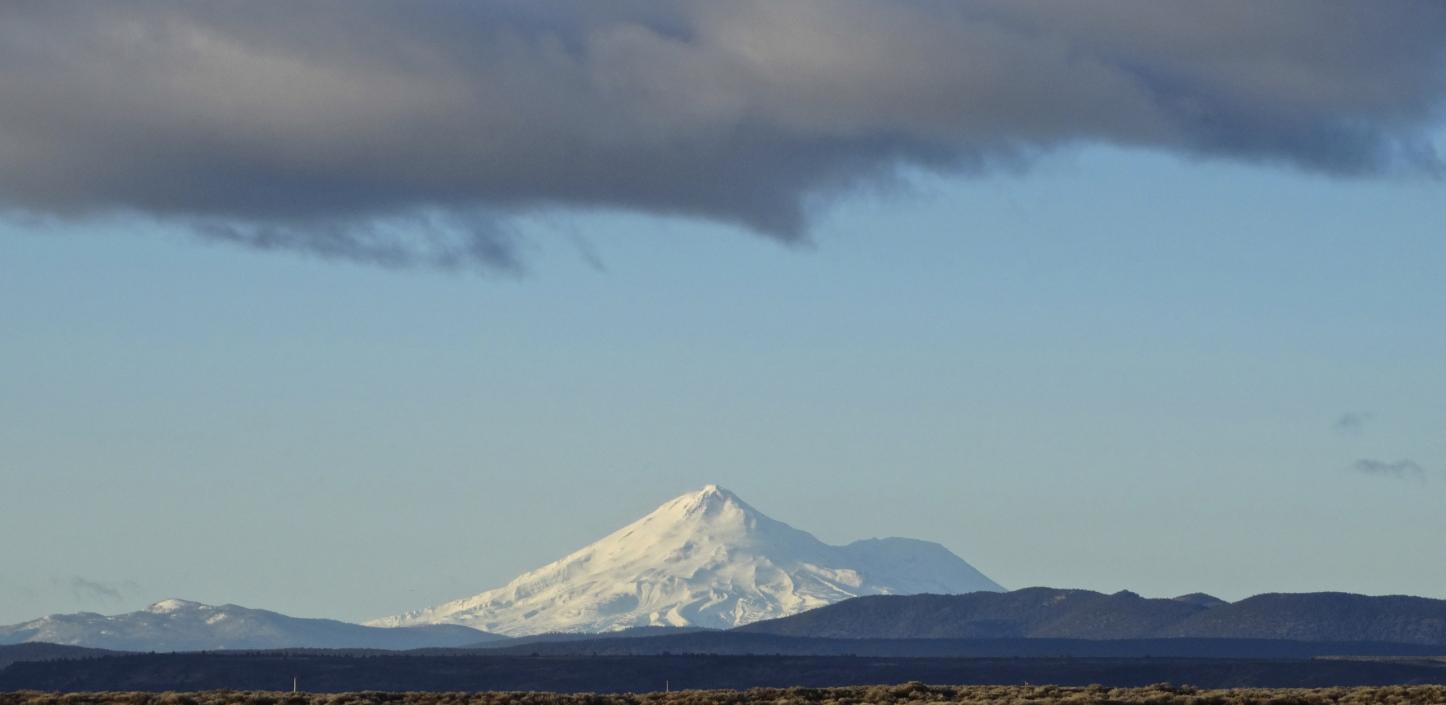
(905, 694)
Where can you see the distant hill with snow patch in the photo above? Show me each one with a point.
(180, 625)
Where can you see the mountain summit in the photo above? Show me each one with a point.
(704, 559)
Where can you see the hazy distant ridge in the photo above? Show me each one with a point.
(180, 625)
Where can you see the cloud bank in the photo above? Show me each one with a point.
(400, 132)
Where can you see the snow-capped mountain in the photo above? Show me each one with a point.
(704, 559)
(179, 625)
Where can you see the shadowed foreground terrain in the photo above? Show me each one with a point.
(910, 693)
(332, 673)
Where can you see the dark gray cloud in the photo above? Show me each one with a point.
(1398, 469)
(337, 127)
(1352, 422)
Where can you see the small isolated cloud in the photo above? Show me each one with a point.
(1396, 470)
(87, 590)
(1352, 422)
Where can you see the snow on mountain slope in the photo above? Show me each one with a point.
(180, 625)
(704, 559)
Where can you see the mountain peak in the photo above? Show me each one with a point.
(705, 558)
(711, 495)
(711, 502)
(172, 605)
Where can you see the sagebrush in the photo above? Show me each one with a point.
(905, 694)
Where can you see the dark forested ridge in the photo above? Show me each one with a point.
(12, 653)
(400, 672)
(1083, 614)
(741, 643)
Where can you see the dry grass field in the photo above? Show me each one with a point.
(905, 694)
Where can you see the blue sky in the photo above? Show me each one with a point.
(1116, 370)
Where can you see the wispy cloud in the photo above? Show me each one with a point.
(86, 590)
(1397, 469)
(1352, 422)
(10, 589)
(312, 125)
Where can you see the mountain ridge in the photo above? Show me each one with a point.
(1085, 614)
(183, 625)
